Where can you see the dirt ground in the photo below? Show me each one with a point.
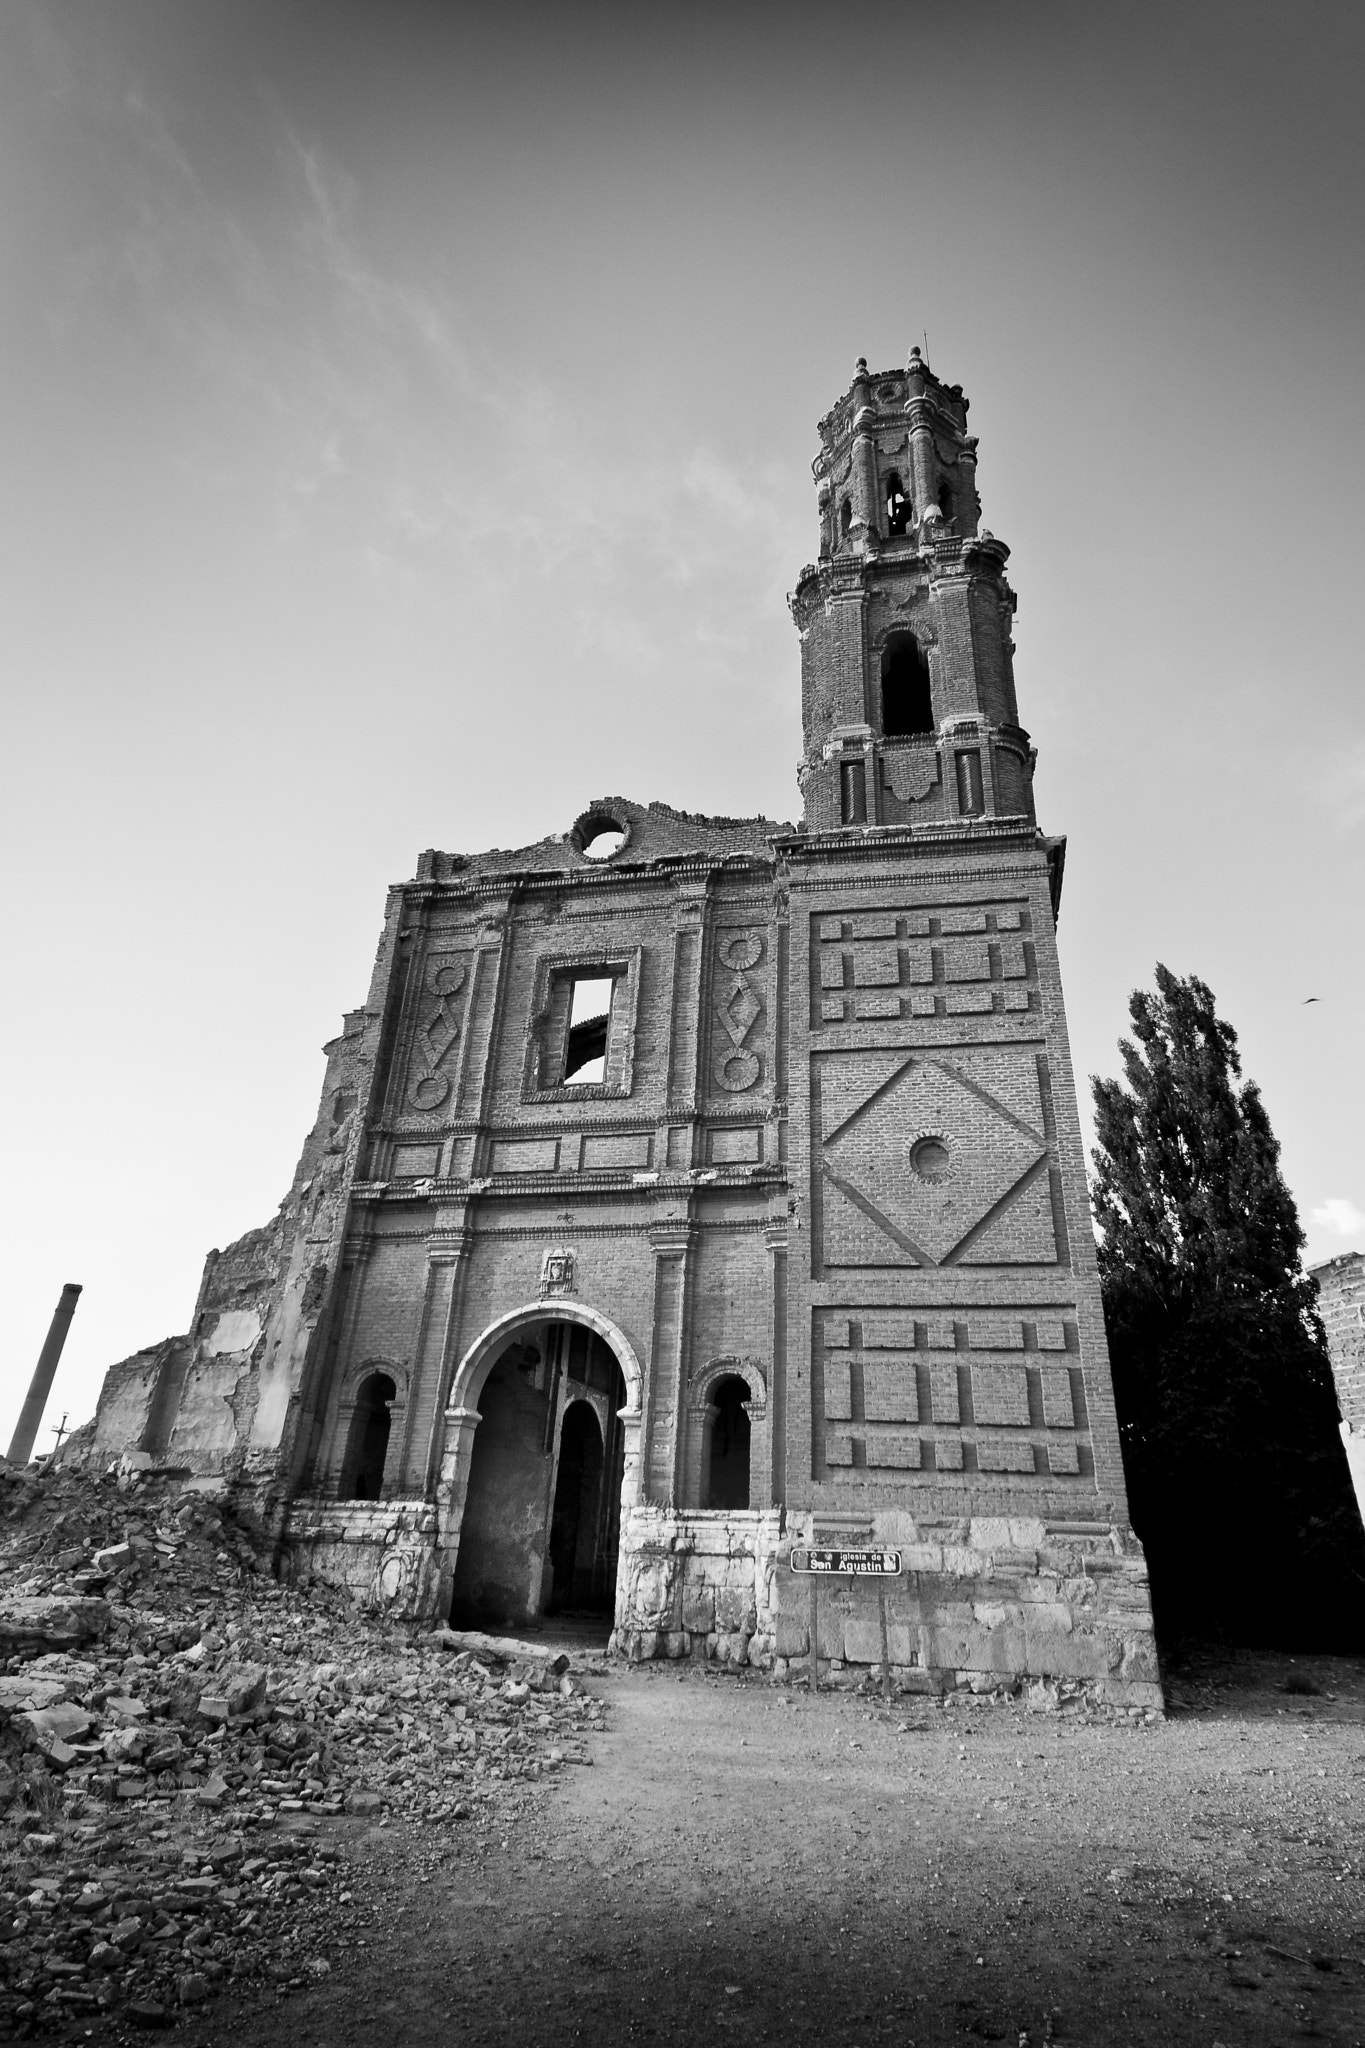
(743, 1861)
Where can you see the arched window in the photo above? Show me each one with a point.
(897, 505)
(367, 1446)
(907, 703)
(846, 516)
(945, 499)
(728, 1465)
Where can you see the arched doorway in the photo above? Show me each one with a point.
(541, 1525)
(367, 1445)
(727, 1484)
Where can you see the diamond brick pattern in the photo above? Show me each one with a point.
(989, 1152)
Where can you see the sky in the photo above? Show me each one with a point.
(408, 420)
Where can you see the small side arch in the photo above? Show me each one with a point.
(712, 1406)
(717, 1369)
(368, 1434)
(367, 1447)
(356, 1375)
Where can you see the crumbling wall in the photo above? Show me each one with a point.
(128, 1399)
(1341, 1299)
(223, 1400)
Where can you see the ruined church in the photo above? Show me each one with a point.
(688, 1190)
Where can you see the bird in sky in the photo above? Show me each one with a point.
(1311, 999)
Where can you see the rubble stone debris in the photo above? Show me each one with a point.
(187, 1750)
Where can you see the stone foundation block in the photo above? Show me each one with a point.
(735, 1610)
(1058, 1655)
(699, 1609)
(922, 1557)
(863, 1640)
(830, 1633)
(1139, 1666)
(792, 1637)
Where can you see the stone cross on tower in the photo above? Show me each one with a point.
(907, 681)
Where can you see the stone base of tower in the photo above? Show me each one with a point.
(980, 1604)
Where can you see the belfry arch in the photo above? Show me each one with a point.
(540, 1460)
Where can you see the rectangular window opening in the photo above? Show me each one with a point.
(585, 1048)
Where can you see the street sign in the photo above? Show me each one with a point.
(857, 1564)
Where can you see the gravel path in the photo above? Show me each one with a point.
(742, 1861)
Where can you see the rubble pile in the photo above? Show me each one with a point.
(186, 1749)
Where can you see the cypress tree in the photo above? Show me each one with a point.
(1227, 1413)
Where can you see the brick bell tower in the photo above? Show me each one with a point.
(907, 680)
(949, 1386)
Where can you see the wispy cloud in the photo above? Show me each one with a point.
(1338, 1217)
(358, 405)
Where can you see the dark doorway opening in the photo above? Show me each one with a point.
(907, 701)
(540, 1532)
(576, 1582)
(367, 1446)
(728, 1464)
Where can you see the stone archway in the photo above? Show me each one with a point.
(477, 1381)
(357, 1382)
(701, 1419)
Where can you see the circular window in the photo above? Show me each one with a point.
(598, 835)
(931, 1159)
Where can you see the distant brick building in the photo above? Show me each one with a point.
(689, 1187)
(1341, 1299)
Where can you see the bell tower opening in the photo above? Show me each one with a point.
(907, 700)
(897, 506)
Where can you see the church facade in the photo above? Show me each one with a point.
(692, 1190)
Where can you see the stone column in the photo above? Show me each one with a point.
(922, 457)
(672, 1243)
(452, 1490)
(775, 1237)
(760, 1453)
(448, 1250)
(630, 1421)
(864, 485)
(967, 515)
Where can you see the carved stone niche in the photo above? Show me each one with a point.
(557, 1272)
(741, 1030)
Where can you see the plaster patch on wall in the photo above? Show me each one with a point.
(238, 1329)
